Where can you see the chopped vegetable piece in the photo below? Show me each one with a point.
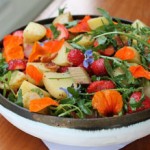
(49, 33)
(37, 105)
(34, 73)
(125, 53)
(107, 52)
(63, 32)
(12, 41)
(37, 52)
(15, 52)
(82, 26)
(53, 46)
(138, 72)
(12, 48)
(17, 64)
(107, 102)
(79, 75)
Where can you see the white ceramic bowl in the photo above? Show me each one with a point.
(118, 136)
(77, 137)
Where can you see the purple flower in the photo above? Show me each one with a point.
(88, 58)
(66, 91)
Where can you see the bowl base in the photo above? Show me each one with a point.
(55, 146)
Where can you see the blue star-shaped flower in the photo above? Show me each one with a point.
(88, 58)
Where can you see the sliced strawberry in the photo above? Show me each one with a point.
(107, 52)
(75, 57)
(98, 67)
(136, 96)
(17, 64)
(63, 31)
(63, 69)
(100, 85)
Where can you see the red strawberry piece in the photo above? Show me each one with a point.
(146, 103)
(63, 69)
(75, 57)
(98, 67)
(100, 85)
(63, 31)
(18, 33)
(107, 52)
(17, 64)
(137, 96)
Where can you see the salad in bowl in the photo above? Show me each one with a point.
(79, 69)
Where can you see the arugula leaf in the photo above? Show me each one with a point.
(12, 97)
(77, 39)
(73, 92)
(83, 107)
(54, 30)
(78, 46)
(134, 105)
(61, 10)
(108, 67)
(19, 98)
(101, 40)
(71, 24)
(3, 66)
(105, 14)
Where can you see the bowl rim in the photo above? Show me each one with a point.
(76, 123)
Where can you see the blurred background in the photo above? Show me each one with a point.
(16, 13)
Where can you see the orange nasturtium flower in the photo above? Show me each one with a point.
(125, 53)
(34, 73)
(37, 105)
(12, 47)
(139, 72)
(107, 102)
(82, 26)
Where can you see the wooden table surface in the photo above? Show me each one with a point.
(12, 138)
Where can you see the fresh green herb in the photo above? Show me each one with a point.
(61, 10)
(71, 24)
(3, 66)
(54, 30)
(82, 48)
(19, 98)
(38, 91)
(106, 15)
(5, 80)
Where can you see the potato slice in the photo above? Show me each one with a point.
(61, 58)
(28, 96)
(27, 87)
(63, 18)
(79, 75)
(30, 92)
(86, 40)
(138, 24)
(17, 77)
(55, 81)
(34, 32)
(40, 66)
(97, 22)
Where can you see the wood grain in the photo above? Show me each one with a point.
(13, 138)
